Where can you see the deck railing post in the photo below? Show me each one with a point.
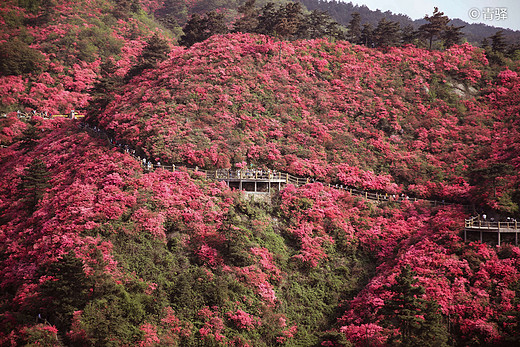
(498, 233)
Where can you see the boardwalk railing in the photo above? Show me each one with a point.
(269, 176)
(475, 224)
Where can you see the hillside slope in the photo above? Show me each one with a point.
(136, 257)
(402, 120)
(96, 250)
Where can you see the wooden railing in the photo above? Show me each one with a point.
(475, 224)
(272, 176)
(478, 224)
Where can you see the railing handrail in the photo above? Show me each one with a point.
(476, 223)
(274, 175)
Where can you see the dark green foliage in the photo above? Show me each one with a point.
(173, 14)
(67, 291)
(290, 18)
(16, 58)
(30, 137)
(248, 22)
(315, 25)
(124, 8)
(155, 51)
(452, 35)
(498, 42)
(30, 5)
(114, 318)
(419, 321)
(200, 28)
(367, 35)
(409, 35)
(491, 174)
(354, 28)
(102, 93)
(287, 22)
(387, 33)
(33, 183)
(435, 27)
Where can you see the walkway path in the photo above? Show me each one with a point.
(475, 224)
(260, 181)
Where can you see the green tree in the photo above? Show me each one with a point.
(30, 137)
(354, 28)
(125, 8)
(155, 51)
(199, 28)
(387, 33)
(34, 182)
(418, 321)
(102, 93)
(452, 35)
(17, 58)
(290, 19)
(498, 42)
(248, 22)
(30, 5)
(409, 35)
(435, 27)
(367, 35)
(67, 291)
(267, 19)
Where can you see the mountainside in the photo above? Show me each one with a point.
(402, 120)
(98, 249)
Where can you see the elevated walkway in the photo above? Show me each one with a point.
(501, 229)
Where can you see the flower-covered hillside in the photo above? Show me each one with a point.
(337, 111)
(51, 51)
(97, 250)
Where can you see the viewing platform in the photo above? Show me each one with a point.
(501, 229)
(252, 181)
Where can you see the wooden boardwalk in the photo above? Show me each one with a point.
(501, 229)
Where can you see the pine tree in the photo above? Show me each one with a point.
(408, 35)
(102, 93)
(155, 51)
(200, 28)
(387, 33)
(314, 25)
(290, 20)
(34, 182)
(498, 42)
(267, 20)
(248, 23)
(68, 291)
(367, 35)
(419, 321)
(335, 31)
(435, 26)
(452, 35)
(30, 138)
(354, 28)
